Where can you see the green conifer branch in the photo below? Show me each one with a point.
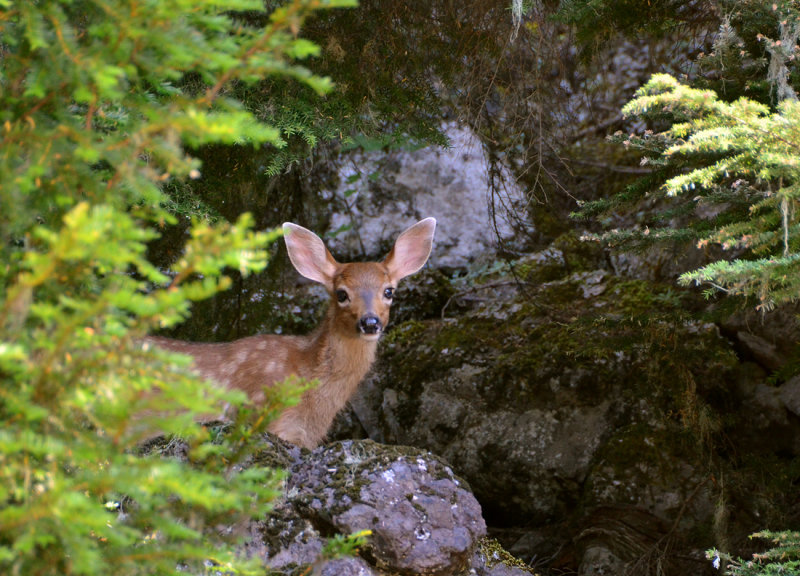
(740, 150)
(101, 102)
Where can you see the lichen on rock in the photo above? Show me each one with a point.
(421, 517)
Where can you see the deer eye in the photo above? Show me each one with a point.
(388, 293)
(341, 296)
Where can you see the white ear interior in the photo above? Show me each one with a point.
(308, 254)
(411, 249)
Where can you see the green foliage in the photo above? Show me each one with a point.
(99, 102)
(781, 560)
(743, 154)
(349, 545)
(384, 91)
(597, 21)
(397, 72)
(724, 171)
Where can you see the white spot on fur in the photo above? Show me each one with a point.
(229, 368)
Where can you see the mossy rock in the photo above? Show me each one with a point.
(524, 382)
(494, 555)
(421, 296)
(579, 254)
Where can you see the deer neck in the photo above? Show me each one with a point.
(343, 358)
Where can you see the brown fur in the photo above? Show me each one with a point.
(338, 353)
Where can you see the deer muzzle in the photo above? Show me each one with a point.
(370, 325)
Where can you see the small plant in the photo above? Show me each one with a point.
(782, 560)
(345, 545)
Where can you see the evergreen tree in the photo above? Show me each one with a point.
(99, 102)
(748, 172)
(724, 171)
(722, 148)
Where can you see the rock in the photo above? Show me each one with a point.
(347, 567)
(285, 540)
(526, 391)
(600, 561)
(423, 521)
(628, 540)
(578, 393)
(422, 518)
(789, 393)
(381, 193)
(772, 423)
(768, 338)
(658, 263)
(760, 349)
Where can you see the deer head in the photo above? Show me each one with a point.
(361, 293)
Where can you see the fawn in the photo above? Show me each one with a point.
(338, 353)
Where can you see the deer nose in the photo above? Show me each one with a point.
(370, 324)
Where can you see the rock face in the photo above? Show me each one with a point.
(585, 408)
(379, 194)
(422, 518)
(525, 393)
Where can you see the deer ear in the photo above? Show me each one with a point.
(309, 255)
(411, 249)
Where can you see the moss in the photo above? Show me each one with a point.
(548, 222)
(579, 255)
(569, 341)
(533, 349)
(276, 454)
(406, 333)
(495, 554)
(639, 445)
(478, 333)
(541, 267)
(422, 296)
(767, 483)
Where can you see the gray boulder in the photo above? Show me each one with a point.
(378, 194)
(422, 519)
